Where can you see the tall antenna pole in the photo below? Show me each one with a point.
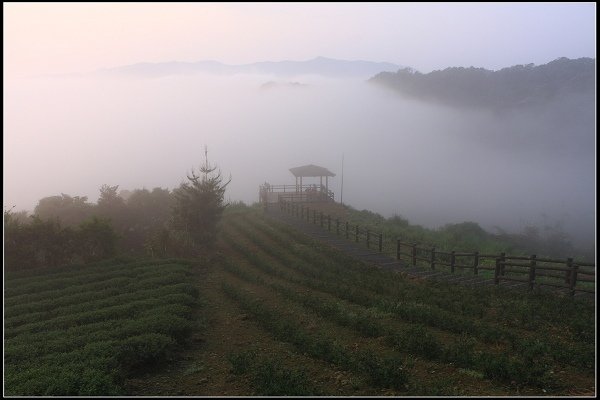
(342, 190)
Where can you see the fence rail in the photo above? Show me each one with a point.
(505, 267)
(297, 193)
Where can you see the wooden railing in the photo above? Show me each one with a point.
(530, 270)
(298, 193)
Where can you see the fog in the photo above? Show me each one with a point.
(431, 164)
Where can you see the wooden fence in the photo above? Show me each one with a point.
(297, 193)
(529, 270)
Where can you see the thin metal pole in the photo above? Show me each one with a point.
(342, 189)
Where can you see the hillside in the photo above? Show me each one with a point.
(279, 313)
(290, 316)
(514, 87)
(81, 330)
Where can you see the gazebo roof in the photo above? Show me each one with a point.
(310, 171)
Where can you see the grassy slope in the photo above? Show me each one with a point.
(287, 315)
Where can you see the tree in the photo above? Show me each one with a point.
(97, 240)
(199, 205)
(38, 243)
(113, 208)
(149, 213)
(111, 205)
(18, 248)
(109, 196)
(70, 210)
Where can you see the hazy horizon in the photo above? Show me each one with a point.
(46, 38)
(430, 163)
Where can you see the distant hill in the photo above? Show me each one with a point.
(517, 86)
(322, 66)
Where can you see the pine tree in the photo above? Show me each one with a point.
(199, 205)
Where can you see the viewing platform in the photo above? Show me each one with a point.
(299, 192)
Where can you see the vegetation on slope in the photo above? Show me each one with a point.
(547, 241)
(80, 331)
(514, 87)
(338, 327)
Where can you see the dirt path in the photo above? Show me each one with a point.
(202, 367)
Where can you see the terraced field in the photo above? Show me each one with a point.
(287, 315)
(80, 331)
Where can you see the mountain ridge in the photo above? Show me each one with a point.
(515, 86)
(324, 66)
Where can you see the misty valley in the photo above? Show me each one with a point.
(430, 162)
(316, 228)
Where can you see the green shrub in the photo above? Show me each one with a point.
(383, 371)
(274, 379)
(461, 352)
(418, 340)
(144, 350)
(242, 361)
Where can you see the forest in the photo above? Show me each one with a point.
(508, 88)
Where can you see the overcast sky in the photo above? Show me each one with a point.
(44, 38)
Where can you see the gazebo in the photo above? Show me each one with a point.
(311, 171)
(300, 192)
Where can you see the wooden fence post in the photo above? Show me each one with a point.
(321, 217)
(329, 222)
(569, 272)
(452, 261)
(497, 272)
(573, 280)
(532, 272)
(397, 249)
(337, 226)
(433, 258)
(356, 234)
(503, 260)
(302, 212)
(347, 230)
(414, 254)
(380, 242)
(476, 263)
(307, 214)
(368, 237)
(315, 217)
